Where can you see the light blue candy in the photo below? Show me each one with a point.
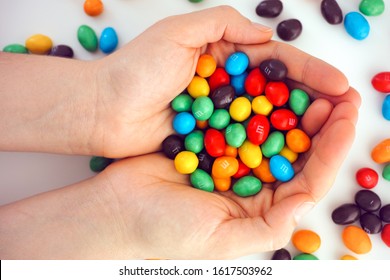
(238, 83)
(281, 168)
(386, 108)
(184, 123)
(236, 63)
(108, 40)
(356, 25)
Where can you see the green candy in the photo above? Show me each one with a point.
(273, 145)
(87, 38)
(202, 108)
(195, 1)
(182, 103)
(305, 257)
(386, 172)
(219, 119)
(194, 141)
(372, 7)
(299, 101)
(200, 179)
(247, 186)
(98, 164)
(235, 135)
(15, 48)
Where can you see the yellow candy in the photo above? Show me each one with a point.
(250, 154)
(288, 154)
(261, 105)
(348, 257)
(39, 44)
(186, 162)
(240, 109)
(198, 87)
(224, 167)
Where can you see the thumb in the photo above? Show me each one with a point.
(211, 25)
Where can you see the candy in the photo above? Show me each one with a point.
(235, 134)
(236, 63)
(384, 213)
(299, 101)
(255, 82)
(182, 103)
(240, 109)
(205, 161)
(284, 119)
(39, 44)
(305, 257)
(269, 8)
(198, 87)
(281, 168)
(298, 141)
(385, 234)
(172, 145)
(277, 93)
(98, 163)
(222, 184)
(247, 186)
(194, 141)
(93, 7)
(306, 241)
(381, 82)
(224, 167)
(261, 105)
(345, 214)
(206, 65)
(87, 38)
(331, 11)
(231, 151)
(273, 69)
(200, 179)
(273, 145)
(289, 30)
(62, 51)
(370, 223)
(367, 177)
(15, 48)
(386, 108)
(263, 171)
(381, 152)
(348, 258)
(242, 170)
(202, 108)
(281, 254)
(356, 25)
(368, 200)
(186, 162)
(220, 119)
(219, 78)
(214, 142)
(222, 96)
(108, 40)
(258, 129)
(372, 7)
(289, 154)
(356, 239)
(250, 154)
(238, 82)
(184, 123)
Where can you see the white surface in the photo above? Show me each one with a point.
(25, 174)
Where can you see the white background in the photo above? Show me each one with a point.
(25, 174)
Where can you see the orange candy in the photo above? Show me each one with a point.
(231, 151)
(222, 184)
(263, 172)
(202, 124)
(381, 152)
(298, 141)
(206, 65)
(356, 239)
(348, 258)
(93, 7)
(224, 167)
(306, 241)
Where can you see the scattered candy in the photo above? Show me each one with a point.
(356, 239)
(289, 30)
(367, 177)
(356, 25)
(331, 11)
(372, 7)
(367, 200)
(345, 214)
(386, 108)
(108, 40)
(384, 213)
(15, 48)
(370, 223)
(348, 258)
(381, 82)
(62, 51)
(269, 8)
(87, 38)
(306, 241)
(93, 7)
(281, 254)
(386, 172)
(385, 235)
(305, 257)
(39, 44)
(381, 152)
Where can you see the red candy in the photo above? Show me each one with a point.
(242, 171)
(214, 142)
(219, 78)
(277, 93)
(258, 129)
(381, 82)
(385, 234)
(367, 177)
(255, 82)
(284, 119)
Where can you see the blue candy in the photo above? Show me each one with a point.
(238, 83)
(356, 25)
(386, 108)
(184, 123)
(108, 40)
(236, 63)
(281, 168)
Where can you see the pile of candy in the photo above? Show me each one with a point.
(237, 127)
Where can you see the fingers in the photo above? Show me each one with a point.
(302, 67)
(196, 29)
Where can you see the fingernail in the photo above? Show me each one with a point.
(302, 210)
(261, 27)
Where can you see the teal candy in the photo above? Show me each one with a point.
(372, 7)
(200, 179)
(235, 135)
(299, 101)
(15, 48)
(247, 186)
(98, 164)
(273, 145)
(182, 103)
(194, 141)
(202, 108)
(220, 119)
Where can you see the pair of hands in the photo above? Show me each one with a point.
(140, 207)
